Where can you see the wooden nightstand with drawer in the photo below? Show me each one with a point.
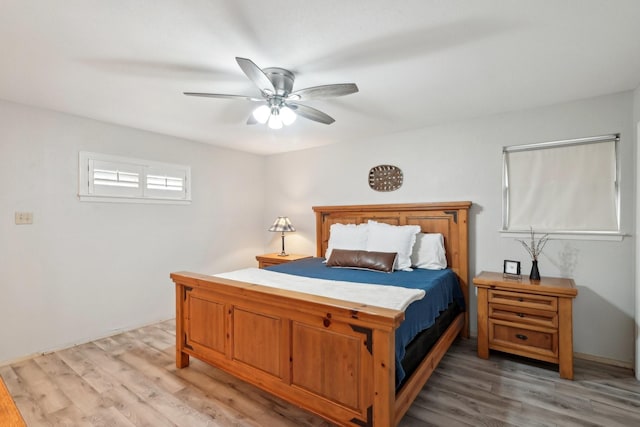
(268, 260)
(528, 318)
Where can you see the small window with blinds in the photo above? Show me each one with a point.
(569, 187)
(119, 179)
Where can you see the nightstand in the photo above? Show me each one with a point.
(528, 318)
(267, 260)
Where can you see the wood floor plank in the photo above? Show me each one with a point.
(153, 336)
(242, 397)
(92, 374)
(431, 417)
(485, 406)
(70, 416)
(443, 403)
(109, 344)
(145, 388)
(212, 407)
(165, 380)
(41, 386)
(29, 408)
(152, 355)
(109, 417)
(75, 388)
(605, 394)
(130, 379)
(136, 410)
(168, 326)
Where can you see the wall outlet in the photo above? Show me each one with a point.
(23, 218)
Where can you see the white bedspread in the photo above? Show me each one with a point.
(393, 297)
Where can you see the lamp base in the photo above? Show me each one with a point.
(283, 253)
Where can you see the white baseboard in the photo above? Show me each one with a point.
(603, 360)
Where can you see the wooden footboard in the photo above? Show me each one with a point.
(331, 357)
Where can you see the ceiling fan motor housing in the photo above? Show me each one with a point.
(282, 80)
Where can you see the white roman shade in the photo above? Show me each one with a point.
(562, 186)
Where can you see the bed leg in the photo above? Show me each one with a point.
(182, 359)
(384, 378)
(464, 333)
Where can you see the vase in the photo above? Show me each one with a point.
(535, 274)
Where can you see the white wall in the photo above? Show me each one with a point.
(462, 161)
(85, 270)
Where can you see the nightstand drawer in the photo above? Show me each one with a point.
(527, 315)
(521, 299)
(526, 342)
(265, 264)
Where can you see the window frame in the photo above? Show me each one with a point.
(563, 233)
(89, 192)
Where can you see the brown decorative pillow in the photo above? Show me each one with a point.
(366, 260)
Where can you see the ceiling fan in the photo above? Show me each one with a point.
(279, 103)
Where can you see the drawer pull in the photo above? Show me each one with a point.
(520, 314)
(522, 337)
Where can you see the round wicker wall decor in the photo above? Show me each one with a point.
(385, 178)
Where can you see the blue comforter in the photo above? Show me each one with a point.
(441, 287)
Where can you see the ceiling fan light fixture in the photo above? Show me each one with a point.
(261, 114)
(275, 122)
(287, 115)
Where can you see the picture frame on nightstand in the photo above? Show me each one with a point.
(511, 270)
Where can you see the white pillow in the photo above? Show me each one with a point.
(428, 252)
(393, 238)
(347, 236)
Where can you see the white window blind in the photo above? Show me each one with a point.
(562, 186)
(110, 178)
(116, 177)
(166, 182)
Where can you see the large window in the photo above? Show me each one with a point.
(562, 186)
(109, 178)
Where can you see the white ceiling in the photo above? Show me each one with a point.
(417, 62)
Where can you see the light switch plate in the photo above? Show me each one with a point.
(24, 218)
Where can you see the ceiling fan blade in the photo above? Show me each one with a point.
(220, 95)
(252, 120)
(256, 75)
(311, 113)
(325, 91)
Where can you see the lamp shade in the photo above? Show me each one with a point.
(287, 115)
(282, 223)
(262, 113)
(275, 122)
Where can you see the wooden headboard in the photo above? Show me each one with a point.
(448, 218)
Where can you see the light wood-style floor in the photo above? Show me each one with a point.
(131, 380)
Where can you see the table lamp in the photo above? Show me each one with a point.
(282, 224)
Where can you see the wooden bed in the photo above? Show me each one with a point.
(333, 358)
